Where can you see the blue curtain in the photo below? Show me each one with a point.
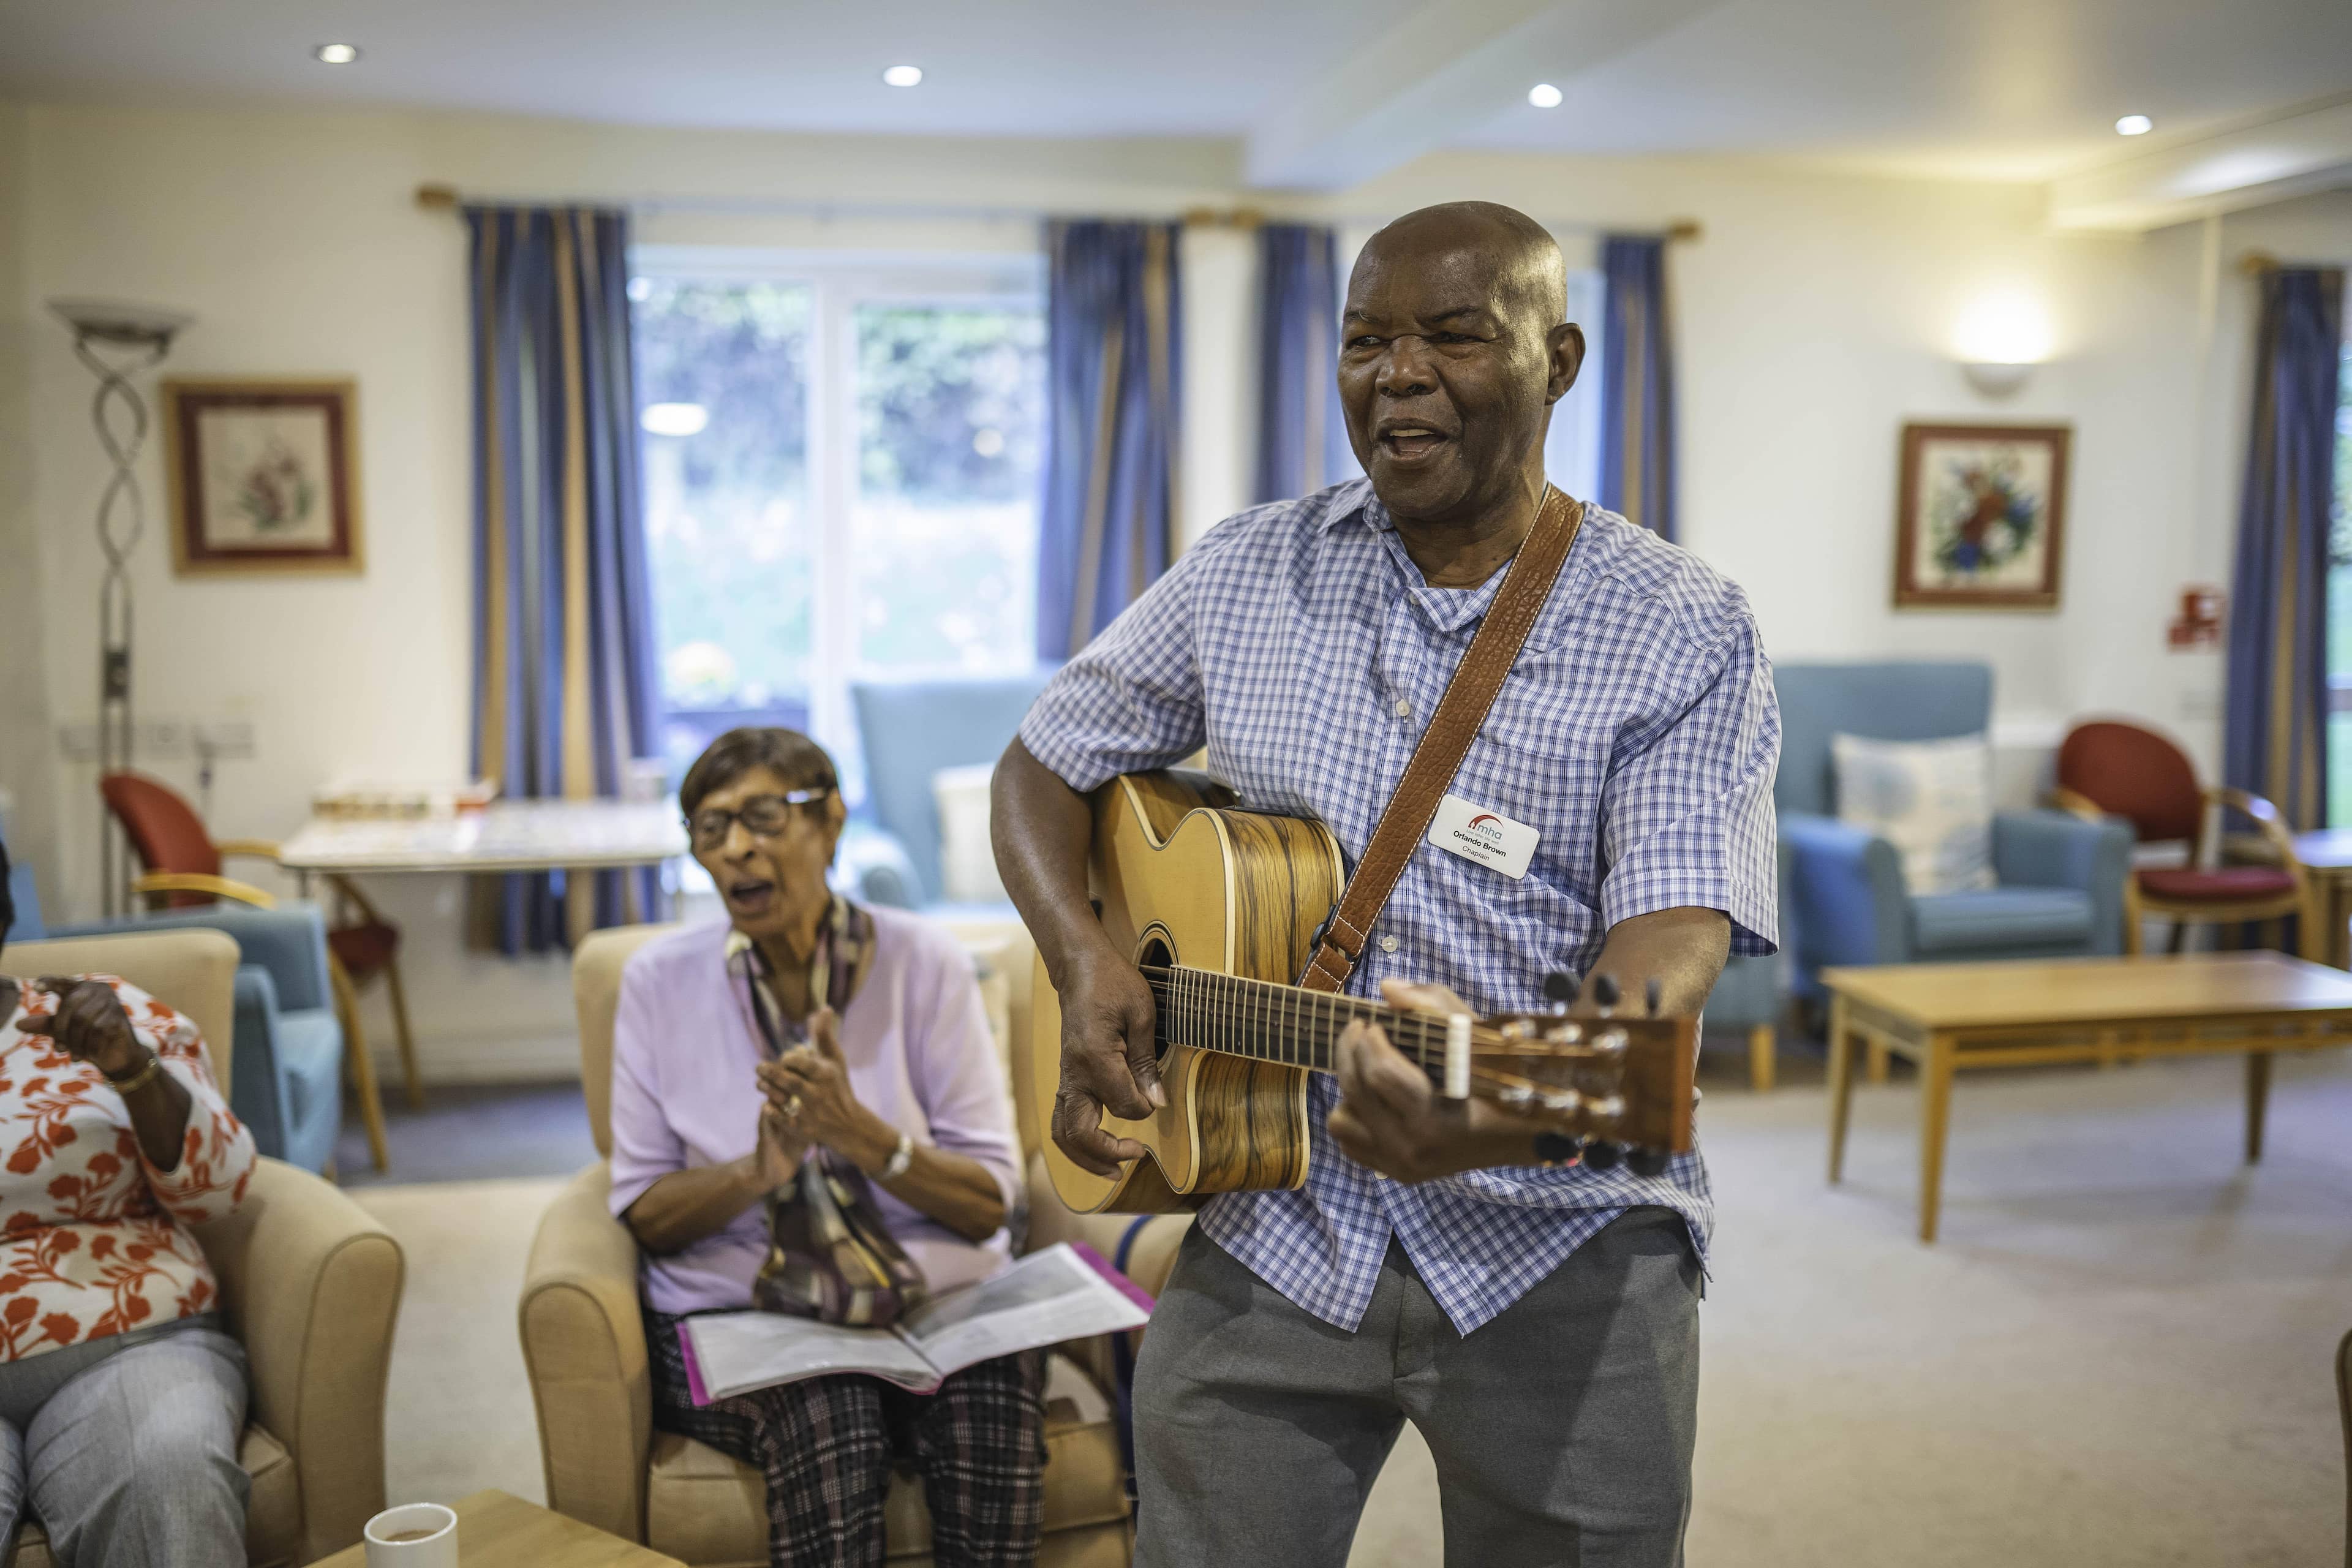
(1637, 384)
(2275, 723)
(1106, 527)
(1302, 441)
(563, 670)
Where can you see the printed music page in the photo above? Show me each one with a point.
(1063, 1292)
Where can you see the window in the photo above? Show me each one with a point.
(841, 474)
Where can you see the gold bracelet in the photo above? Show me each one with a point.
(138, 1079)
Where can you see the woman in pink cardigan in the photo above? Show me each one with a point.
(121, 1395)
(808, 1114)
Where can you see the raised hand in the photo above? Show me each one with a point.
(89, 1026)
(809, 1087)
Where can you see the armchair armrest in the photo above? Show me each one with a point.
(583, 1342)
(1845, 894)
(310, 1283)
(2059, 849)
(198, 882)
(2267, 822)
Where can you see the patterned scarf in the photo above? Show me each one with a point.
(829, 1256)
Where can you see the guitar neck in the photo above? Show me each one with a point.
(1270, 1022)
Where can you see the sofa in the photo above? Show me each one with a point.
(2061, 879)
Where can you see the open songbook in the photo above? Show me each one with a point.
(1063, 1292)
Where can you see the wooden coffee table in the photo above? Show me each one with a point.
(1947, 1016)
(499, 1529)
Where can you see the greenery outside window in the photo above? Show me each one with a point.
(841, 477)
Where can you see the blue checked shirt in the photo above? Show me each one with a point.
(1637, 734)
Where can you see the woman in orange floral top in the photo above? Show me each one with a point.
(122, 1397)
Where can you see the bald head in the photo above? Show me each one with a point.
(1454, 346)
(1519, 255)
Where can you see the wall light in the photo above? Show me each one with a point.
(1999, 338)
(337, 54)
(1543, 95)
(903, 76)
(674, 418)
(2133, 125)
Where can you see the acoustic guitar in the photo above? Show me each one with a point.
(1220, 908)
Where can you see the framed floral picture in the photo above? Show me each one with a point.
(262, 475)
(1980, 516)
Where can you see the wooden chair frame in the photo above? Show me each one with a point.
(2304, 901)
(359, 1064)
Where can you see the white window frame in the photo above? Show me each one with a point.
(840, 281)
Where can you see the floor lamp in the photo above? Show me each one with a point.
(118, 341)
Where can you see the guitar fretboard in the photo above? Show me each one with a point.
(1277, 1023)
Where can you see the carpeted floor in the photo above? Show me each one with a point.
(2117, 1357)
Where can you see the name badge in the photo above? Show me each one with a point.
(1485, 837)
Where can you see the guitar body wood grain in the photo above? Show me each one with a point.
(1186, 878)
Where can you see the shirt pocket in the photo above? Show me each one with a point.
(1540, 760)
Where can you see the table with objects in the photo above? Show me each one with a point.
(1944, 1017)
(508, 836)
(499, 1529)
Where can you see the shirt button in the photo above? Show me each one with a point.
(1390, 944)
(1403, 709)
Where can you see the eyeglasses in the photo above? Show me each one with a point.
(765, 816)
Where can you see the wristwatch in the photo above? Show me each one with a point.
(900, 1158)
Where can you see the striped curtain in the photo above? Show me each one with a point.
(1637, 384)
(563, 673)
(2274, 720)
(1302, 440)
(1106, 527)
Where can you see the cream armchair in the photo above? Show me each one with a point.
(583, 1343)
(309, 1284)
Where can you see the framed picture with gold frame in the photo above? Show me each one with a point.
(1980, 516)
(263, 474)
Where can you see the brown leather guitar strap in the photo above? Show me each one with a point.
(1435, 762)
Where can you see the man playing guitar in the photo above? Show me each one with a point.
(1536, 1322)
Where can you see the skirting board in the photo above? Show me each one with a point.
(508, 1058)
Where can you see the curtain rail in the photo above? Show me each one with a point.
(447, 198)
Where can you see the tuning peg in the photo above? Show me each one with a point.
(1560, 987)
(1654, 994)
(1647, 1162)
(1606, 991)
(1599, 1155)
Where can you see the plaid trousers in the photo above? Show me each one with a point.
(828, 1445)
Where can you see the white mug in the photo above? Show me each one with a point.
(435, 1548)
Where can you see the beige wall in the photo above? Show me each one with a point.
(1814, 315)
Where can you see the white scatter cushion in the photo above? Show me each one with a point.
(967, 860)
(1931, 799)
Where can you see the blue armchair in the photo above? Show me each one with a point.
(2061, 890)
(1752, 992)
(910, 730)
(286, 1067)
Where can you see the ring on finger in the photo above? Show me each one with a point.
(793, 1106)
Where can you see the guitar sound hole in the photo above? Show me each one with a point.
(1155, 954)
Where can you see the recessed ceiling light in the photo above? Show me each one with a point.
(2133, 125)
(337, 54)
(904, 76)
(1543, 95)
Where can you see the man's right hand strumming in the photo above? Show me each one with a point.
(1108, 1060)
(1042, 829)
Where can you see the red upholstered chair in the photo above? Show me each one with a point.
(2107, 768)
(184, 869)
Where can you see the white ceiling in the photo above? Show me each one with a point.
(1983, 88)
